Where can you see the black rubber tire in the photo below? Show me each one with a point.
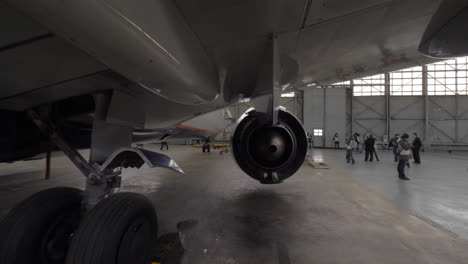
(24, 229)
(105, 235)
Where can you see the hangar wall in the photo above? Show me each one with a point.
(325, 109)
(431, 100)
(441, 121)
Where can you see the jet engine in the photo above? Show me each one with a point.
(267, 153)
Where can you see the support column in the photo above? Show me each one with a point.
(294, 105)
(303, 107)
(324, 117)
(457, 113)
(388, 111)
(50, 147)
(103, 145)
(457, 108)
(352, 106)
(427, 137)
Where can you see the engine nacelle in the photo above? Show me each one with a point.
(269, 154)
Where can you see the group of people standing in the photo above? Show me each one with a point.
(353, 144)
(403, 150)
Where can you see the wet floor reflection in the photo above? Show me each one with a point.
(169, 248)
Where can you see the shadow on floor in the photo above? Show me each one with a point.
(169, 247)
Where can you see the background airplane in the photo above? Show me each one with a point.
(205, 127)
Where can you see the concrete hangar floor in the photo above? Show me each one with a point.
(345, 214)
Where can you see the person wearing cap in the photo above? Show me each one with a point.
(404, 155)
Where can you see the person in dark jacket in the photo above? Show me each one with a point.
(369, 148)
(404, 154)
(164, 145)
(417, 144)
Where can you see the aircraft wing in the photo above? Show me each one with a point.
(46, 58)
(344, 40)
(331, 40)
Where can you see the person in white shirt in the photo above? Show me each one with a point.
(357, 139)
(336, 139)
(351, 145)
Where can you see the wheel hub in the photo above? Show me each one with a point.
(133, 243)
(56, 240)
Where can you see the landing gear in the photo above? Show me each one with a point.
(269, 143)
(121, 229)
(39, 229)
(117, 227)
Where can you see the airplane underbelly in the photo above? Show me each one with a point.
(146, 41)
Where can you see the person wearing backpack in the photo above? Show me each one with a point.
(404, 155)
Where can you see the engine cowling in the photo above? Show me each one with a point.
(269, 154)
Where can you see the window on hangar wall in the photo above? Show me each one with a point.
(448, 77)
(291, 94)
(345, 84)
(407, 82)
(370, 86)
(318, 132)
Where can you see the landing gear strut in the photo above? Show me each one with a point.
(66, 225)
(270, 144)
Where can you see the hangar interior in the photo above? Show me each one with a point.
(339, 214)
(430, 100)
(219, 216)
(97, 97)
